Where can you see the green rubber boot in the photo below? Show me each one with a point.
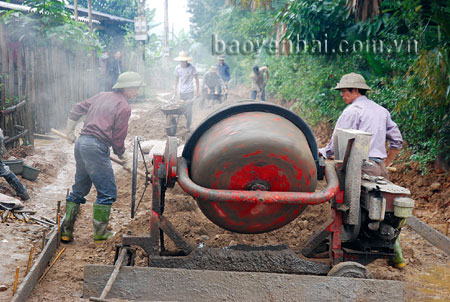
(72, 209)
(101, 218)
(397, 261)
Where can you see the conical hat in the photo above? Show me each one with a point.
(182, 56)
(352, 80)
(129, 79)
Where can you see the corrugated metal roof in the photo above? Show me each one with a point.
(100, 14)
(103, 16)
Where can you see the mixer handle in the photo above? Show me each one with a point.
(268, 197)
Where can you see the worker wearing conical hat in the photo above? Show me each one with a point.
(366, 115)
(106, 125)
(185, 74)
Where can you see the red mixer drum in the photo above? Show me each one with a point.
(252, 146)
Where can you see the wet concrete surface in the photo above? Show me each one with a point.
(275, 259)
(156, 284)
(432, 285)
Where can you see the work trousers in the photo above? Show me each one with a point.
(188, 114)
(93, 166)
(263, 94)
(12, 179)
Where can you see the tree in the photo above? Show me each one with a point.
(251, 4)
(121, 8)
(363, 9)
(202, 20)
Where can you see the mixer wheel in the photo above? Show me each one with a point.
(350, 269)
(136, 150)
(134, 176)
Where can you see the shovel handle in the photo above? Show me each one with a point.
(114, 159)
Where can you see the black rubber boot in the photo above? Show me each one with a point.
(15, 183)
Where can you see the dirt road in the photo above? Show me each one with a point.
(426, 276)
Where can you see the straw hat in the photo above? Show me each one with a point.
(182, 56)
(213, 68)
(220, 58)
(352, 80)
(129, 79)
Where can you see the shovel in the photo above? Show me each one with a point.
(114, 159)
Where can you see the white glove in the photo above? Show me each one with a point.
(127, 161)
(70, 130)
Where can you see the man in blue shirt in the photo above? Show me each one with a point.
(224, 71)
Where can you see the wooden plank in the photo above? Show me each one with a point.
(32, 96)
(4, 64)
(30, 281)
(48, 97)
(37, 82)
(20, 74)
(433, 236)
(14, 138)
(161, 284)
(11, 89)
(27, 95)
(14, 108)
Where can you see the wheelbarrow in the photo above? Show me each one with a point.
(173, 110)
(211, 99)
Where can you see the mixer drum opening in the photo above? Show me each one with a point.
(253, 151)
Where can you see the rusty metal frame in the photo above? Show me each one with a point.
(297, 198)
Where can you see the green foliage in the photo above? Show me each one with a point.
(203, 17)
(49, 22)
(121, 8)
(53, 12)
(309, 80)
(315, 20)
(415, 87)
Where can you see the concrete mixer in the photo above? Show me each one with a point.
(253, 167)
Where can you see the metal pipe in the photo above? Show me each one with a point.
(269, 197)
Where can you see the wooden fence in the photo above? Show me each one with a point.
(39, 85)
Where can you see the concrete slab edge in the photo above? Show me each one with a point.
(161, 284)
(41, 263)
(433, 236)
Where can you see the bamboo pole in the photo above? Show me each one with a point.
(90, 16)
(37, 92)
(4, 64)
(49, 85)
(67, 83)
(16, 280)
(78, 75)
(30, 259)
(20, 113)
(75, 10)
(61, 94)
(53, 262)
(32, 97)
(10, 74)
(20, 74)
(54, 105)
